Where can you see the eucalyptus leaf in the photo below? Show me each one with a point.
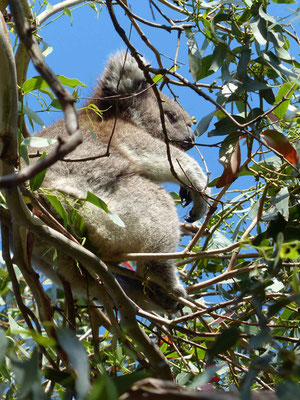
(93, 199)
(36, 141)
(36, 182)
(281, 202)
(78, 359)
(33, 115)
(56, 203)
(286, 90)
(47, 49)
(226, 340)
(204, 124)
(37, 83)
(3, 345)
(259, 29)
(195, 60)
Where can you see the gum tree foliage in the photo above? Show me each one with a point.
(240, 329)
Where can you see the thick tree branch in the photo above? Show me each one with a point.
(65, 146)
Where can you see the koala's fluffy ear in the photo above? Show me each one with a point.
(122, 77)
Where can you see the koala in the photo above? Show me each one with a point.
(132, 162)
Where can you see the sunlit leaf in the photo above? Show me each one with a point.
(286, 90)
(280, 143)
(33, 115)
(281, 202)
(284, 1)
(195, 60)
(36, 141)
(92, 198)
(37, 82)
(47, 49)
(230, 158)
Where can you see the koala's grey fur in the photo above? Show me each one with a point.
(128, 180)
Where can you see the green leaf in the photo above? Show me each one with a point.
(157, 78)
(259, 29)
(268, 95)
(194, 57)
(218, 58)
(37, 83)
(284, 1)
(226, 126)
(36, 141)
(55, 202)
(3, 345)
(47, 49)
(225, 341)
(281, 202)
(67, 12)
(204, 124)
(78, 359)
(244, 61)
(266, 16)
(205, 70)
(56, 104)
(34, 83)
(286, 90)
(32, 115)
(252, 85)
(23, 151)
(36, 182)
(274, 62)
(93, 199)
(70, 82)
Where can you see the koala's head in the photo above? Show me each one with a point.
(123, 91)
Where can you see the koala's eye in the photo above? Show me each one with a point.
(171, 116)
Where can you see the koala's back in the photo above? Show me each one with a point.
(147, 210)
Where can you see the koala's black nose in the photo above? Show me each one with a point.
(189, 139)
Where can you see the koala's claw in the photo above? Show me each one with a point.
(185, 196)
(191, 217)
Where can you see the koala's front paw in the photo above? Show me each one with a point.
(185, 196)
(161, 296)
(199, 207)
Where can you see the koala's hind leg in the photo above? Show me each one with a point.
(160, 280)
